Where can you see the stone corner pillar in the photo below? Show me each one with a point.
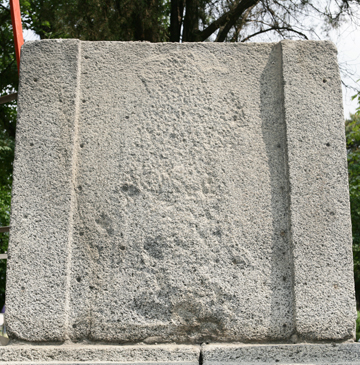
(320, 222)
(43, 191)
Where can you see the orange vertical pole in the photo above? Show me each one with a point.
(17, 29)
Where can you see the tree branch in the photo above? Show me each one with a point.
(275, 28)
(4, 7)
(243, 21)
(228, 16)
(225, 30)
(191, 21)
(175, 21)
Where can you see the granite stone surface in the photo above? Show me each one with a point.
(100, 354)
(324, 354)
(180, 193)
(214, 354)
(319, 208)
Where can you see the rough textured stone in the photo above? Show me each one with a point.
(215, 354)
(319, 205)
(89, 354)
(42, 198)
(180, 193)
(281, 354)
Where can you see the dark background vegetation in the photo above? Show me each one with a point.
(165, 21)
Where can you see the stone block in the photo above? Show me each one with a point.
(231, 354)
(180, 193)
(100, 354)
(214, 354)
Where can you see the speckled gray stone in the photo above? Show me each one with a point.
(319, 205)
(215, 354)
(218, 354)
(100, 354)
(180, 193)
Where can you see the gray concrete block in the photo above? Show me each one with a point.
(180, 193)
(103, 354)
(319, 205)
(38, 265)
(215, 354)
(324, 354)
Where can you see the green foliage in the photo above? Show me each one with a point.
(176, 20)
(6, 158)
(358, 326)
(121, 20)
(357, 96)
(8, 84)
(352, 128)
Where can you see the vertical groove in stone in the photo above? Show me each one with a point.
(288, 191)
(274, 138)
(73, 194)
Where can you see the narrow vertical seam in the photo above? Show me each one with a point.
(73, 196)
(288, 191)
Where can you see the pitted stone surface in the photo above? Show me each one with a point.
(215, 354)
(321, 354)
(152, 198)
(101, 354)
(319, 207)
(181, 224)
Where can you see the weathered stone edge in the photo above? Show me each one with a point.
(281, 354)
(180, 354)
(212, 354)
(43, 192)
(320, 224)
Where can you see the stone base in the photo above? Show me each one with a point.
(288, 354)
(104, 354)
(214, 354)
